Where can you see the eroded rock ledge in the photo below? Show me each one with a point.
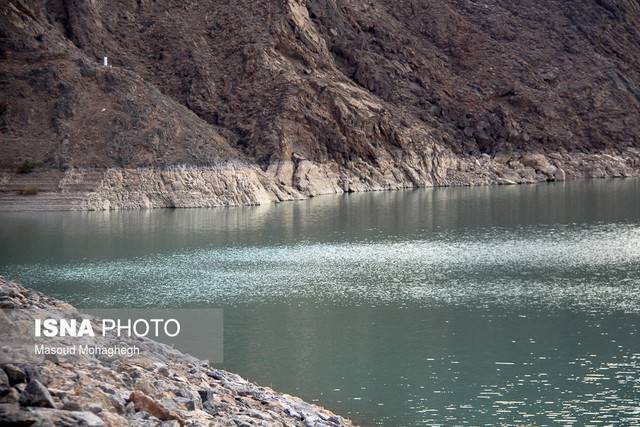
(241, 184)
(160, 387)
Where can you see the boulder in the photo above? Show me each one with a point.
(12, 414)
(144, 403)
(9, 395)
(536, 161)
(560, 175)
(36, 394)
(56, 417)
(15, 374)
(31, 372)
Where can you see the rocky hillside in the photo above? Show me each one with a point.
(234, 102)
(160, 387)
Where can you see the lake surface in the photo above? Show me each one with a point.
(465, 306)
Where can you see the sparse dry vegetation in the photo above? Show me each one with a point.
(27, 166)
(30, 190)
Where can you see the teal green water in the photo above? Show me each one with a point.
(462, 306)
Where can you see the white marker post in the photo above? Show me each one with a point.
(105, 62)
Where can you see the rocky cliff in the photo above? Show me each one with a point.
(208, 103)
(159, 387)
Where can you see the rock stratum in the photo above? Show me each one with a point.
(158, 387)
(217, 103)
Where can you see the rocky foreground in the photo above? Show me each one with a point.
(160, 387)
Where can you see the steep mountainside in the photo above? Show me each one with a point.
(214, 102)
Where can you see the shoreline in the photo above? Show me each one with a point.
(235, 184)
(159, 386)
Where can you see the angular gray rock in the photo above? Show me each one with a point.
(13, 415)
(9, 395)
(15, 374)
(36, 394)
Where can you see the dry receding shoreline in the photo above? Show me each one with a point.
(159, 387)
(242, 184)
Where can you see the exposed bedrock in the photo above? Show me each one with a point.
(242, 185)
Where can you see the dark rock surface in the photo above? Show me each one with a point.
(14, 374)
(316, 96)
(36, 394)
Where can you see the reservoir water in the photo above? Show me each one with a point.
(461, 306)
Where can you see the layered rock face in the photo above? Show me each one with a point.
(245, 102)
(159, 387)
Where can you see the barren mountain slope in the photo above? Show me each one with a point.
(321, 96)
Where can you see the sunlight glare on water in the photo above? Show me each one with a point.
(452, 306)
